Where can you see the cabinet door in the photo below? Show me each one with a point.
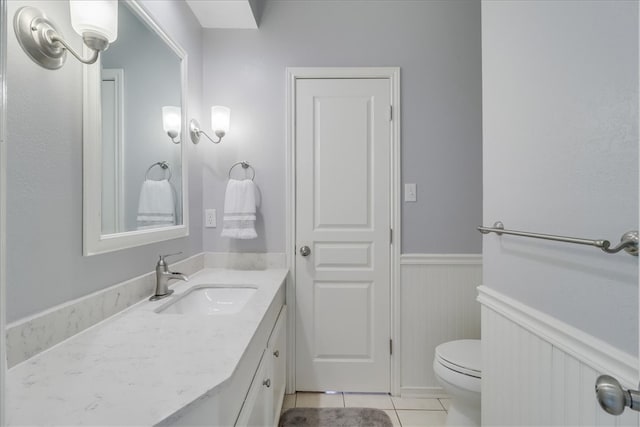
(277, 350)
(258, 405)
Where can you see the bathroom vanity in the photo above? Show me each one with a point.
(150, 365)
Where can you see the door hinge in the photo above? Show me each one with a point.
(390, 112)
(391, 346)
(391, 236)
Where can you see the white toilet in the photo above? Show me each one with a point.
(458, 368)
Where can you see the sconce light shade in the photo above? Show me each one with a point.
(95, 20)
(172, 122)
(95, 17)
(220, 116)
(219, 124)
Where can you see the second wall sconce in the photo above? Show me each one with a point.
(220, 118)
(172, 122)
(96, 21)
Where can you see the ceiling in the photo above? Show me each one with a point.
(227, 13)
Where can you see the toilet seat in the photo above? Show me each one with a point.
(462, 356)
(457, 366)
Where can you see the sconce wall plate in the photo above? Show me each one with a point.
(34, 31)
(195, 132)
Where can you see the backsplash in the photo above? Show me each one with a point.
(245, 260)
(34, 334)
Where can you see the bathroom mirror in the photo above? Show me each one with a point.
(134, 173)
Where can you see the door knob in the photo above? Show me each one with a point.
(305, 251)
(613, 398)
(267, 382)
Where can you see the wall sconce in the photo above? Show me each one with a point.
(95, 20)
(172, 122)
(220, 117)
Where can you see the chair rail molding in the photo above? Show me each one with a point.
(441, 259)
(576, 343)
(557, 362)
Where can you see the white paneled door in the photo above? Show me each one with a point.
(342, 144)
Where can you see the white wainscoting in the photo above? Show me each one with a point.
(438, 304)
(539, 371)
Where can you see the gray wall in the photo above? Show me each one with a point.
(437, 46)
(560, 120)
(45, 265)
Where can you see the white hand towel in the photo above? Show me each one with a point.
(156, 207)
(240, 210)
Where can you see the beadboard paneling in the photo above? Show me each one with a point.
(438, 304)
(539, 371)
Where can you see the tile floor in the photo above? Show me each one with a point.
(404, 412)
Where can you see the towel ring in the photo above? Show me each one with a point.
(245, 165)
(164, 165)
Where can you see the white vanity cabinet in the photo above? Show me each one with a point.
(277, 351)
(258, 405)
(263, 402)
(198, 370)
(253, 395)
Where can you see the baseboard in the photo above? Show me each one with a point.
(424, 392)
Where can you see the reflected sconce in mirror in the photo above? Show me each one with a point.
(220, 118)
(95, 20)
(172, 122)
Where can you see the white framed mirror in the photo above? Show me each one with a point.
(134, 173)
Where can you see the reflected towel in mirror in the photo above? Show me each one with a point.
(156, 207)
(240, 210)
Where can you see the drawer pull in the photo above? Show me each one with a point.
(276, 353)
(267, 382)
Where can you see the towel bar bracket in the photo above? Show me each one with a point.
(163, 165)
(628, 241)
(245, 165)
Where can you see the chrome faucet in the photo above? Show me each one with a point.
(163, 275)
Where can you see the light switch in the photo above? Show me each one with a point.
(410, 194)
(210, 218)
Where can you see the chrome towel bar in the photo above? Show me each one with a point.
(628, 241)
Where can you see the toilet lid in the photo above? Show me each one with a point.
(462, 356)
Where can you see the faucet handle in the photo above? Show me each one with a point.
(162, 257)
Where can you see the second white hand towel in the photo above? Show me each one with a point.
(156, 206)
(240, 210)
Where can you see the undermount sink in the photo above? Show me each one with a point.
(209, 300)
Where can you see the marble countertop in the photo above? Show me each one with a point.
(139, 367)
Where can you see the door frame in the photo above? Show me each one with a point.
(393, 74)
